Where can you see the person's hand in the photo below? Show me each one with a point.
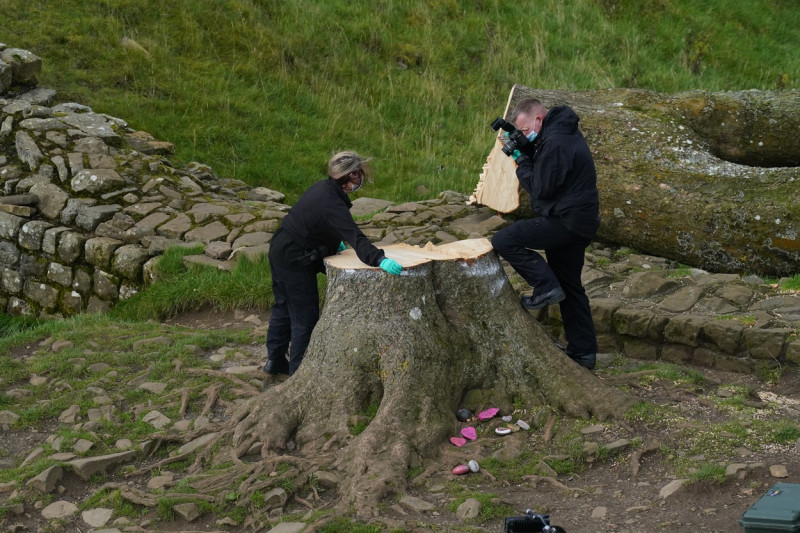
(518, 156)
(391, 266)
(342, 247)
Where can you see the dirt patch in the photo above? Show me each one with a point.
(618, 491)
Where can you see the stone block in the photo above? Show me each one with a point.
(89, 217)
(10, 226)
(50, 239)
(128, 261)
(634, 322)
(81, 281)
(19, 307)
(214, 231)
(71, 303)
(96, 181)
(52, 199)
(43, 294)
(649, 284)
(70, 247)
(9, 254)
(766, 343)
(153, 220)
(25, 66)
(734, 364)
(640, 349)
(677, 353)
(603, 310)
(176, 228)
(705, 357)
(106, 285)
(100, 250)
(28, 151)
(684, 329)
(96, 305)
(725, 335)
(11, 281)
(60, 274)
(793, 352)
(32, 233)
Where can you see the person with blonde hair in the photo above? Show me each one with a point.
(317, 226)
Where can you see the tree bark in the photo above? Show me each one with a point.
(413, 345)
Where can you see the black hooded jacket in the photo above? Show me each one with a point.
(559, 174)
(321, 219)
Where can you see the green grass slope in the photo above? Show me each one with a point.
(266, 90)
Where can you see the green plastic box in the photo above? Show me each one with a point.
(777, 510)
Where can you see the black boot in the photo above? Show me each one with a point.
(277, 366)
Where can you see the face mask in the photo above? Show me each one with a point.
(531, 136)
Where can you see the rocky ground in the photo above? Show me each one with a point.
(708, 446)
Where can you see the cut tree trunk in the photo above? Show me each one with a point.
(707, 179)
(413, 346)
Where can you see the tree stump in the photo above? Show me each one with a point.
(413, 345)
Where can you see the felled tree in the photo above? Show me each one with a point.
(413, 345)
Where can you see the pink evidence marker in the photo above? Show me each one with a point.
(469, 433)
(487, 414)
(460, 470)
(458, 441)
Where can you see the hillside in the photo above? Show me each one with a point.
(265, 91)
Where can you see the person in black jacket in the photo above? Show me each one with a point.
(557, 170)
(317, 226)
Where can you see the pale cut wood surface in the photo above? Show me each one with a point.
(409, 256)
(498, 186)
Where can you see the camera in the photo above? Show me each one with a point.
(531, 523)
(513, 139)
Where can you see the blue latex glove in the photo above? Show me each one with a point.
(515, 154)
(342, 247)
(391, 266)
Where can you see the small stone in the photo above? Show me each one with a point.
(470, 509)
(187, 511)
(8, 417)
(97, 517)
(523, 425)
(82, 446)
(779, 471)
(473, 466)
(59, 509)
(155, 388)
(156, 419)
(462, 415)
(502, 431)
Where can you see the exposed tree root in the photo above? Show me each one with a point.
(534, 479)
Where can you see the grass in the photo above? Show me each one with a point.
(266, 91)
(178, 288)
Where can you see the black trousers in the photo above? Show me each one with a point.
(295, 310)
(565, 257)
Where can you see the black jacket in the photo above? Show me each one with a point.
(321, 219)
(559, 174)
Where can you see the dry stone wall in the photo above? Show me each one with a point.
(87, 203)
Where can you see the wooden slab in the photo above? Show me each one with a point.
(410, 256)
(498, 186)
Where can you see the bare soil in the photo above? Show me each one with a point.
(619, 493)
